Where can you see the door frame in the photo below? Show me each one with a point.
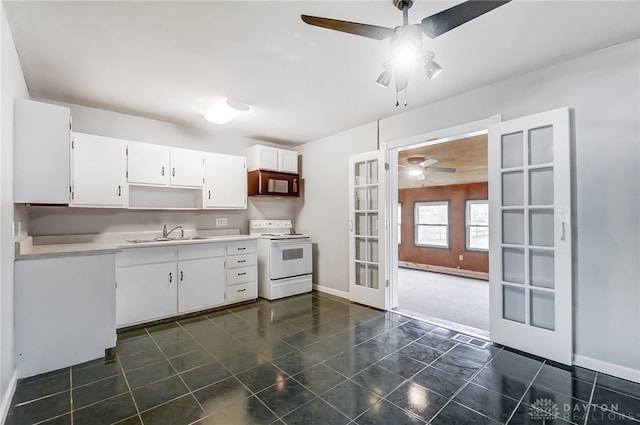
(392, 148)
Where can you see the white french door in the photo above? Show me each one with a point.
(530, 235)
(367, 272)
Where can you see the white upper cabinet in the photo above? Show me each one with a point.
(98, 172)
(260, 157)
(162, 165)
(226, 181)
(42, 138)
(288, 161)
(148, 164)
(187, 168)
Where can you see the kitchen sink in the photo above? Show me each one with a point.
(194, 238)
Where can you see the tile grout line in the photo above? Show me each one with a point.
(527, 389)
(71, 394)
(593, 390)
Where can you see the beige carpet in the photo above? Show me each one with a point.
(445, 299)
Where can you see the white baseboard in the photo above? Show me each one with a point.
(608, 368)
(8, 396)
(331, 291)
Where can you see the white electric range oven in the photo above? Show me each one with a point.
(285, 262)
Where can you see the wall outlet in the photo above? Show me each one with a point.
(222, 221)
(460, 257)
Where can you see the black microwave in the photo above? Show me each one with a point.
(273, 183)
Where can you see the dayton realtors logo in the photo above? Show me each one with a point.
(543, 409)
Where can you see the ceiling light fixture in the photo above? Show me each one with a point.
(432, 69)
(415, 172)
(225, 112)
(385, 78)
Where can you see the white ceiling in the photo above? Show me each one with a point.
(170, 60)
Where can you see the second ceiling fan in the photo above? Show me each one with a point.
(406, 39)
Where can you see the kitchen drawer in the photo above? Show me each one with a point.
(245, 291)
(201, 250)
(234, 261)
(241, 275)
(139, 256)
(241, 247)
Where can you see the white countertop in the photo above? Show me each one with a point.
(50, 246)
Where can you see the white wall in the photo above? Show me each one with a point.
(63, 220)
(603, 90)
(323, 208)
(12, 86)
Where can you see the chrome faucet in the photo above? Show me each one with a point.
(166, 233)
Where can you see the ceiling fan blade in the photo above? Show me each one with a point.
(451, 18)
(442, 169)
(364, 30)
(428, 162)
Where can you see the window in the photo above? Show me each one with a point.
(432, 224)
(477, 225)
(399, 224)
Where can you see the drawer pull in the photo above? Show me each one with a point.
(242, 290)
(242, 274)
(242, 249)
(242, 261)
(170, 277)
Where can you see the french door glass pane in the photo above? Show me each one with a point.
(541, 268)
(360, 175)
(361, 224)
(373, 198)
(512, 188)
(373, 276)
(541, 186)
(372, 172)
(373, 251)
(543, 309)
(361, 274)
(513, 227)
(541, 145)
(541, 223)
(512, 150)
(513, 265)
(360, 197)
(361, 247)
(373, 224)
(513, 303)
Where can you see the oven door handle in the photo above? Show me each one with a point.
(290, 241)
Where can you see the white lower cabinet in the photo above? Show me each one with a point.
(146, 285)
(156, 283)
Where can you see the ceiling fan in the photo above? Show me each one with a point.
(417, 165)
(406, 39)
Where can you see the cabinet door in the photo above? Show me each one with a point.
(98, 170)
(148, 164)
(145, 292)
(187, 168)
(288, 161)
(42, 139)
(201, 284)
(226, 177)
(264, 158)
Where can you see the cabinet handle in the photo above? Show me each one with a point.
(173, 171)
(242, 290)
(242, 249)
(170, 277)
(162, 171)
(209, 194)
(242, 274)
(242, 261)
(119, 190)
(181, 276)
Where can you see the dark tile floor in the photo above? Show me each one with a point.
(316, 359)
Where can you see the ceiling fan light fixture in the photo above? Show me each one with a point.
(384, 79)
(432, 69)
(415, 172)
(225, 112)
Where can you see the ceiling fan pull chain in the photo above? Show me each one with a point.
(405, 97)
(397, 103)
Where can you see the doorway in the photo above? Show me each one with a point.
(443, 232)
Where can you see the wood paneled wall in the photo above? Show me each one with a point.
(456, 195)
